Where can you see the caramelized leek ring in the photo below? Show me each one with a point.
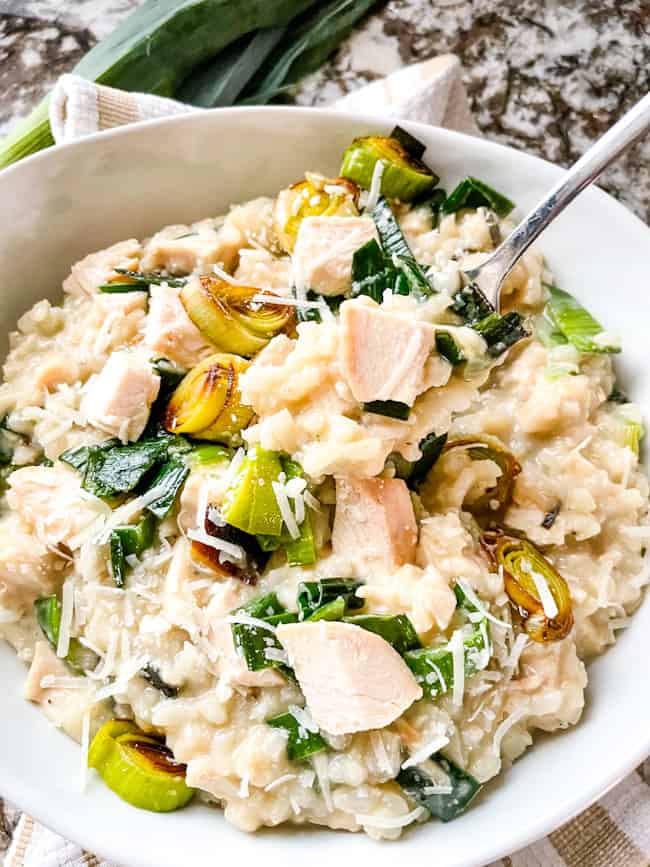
(534, 587)
(139, 768)
(207, 404)
(316, 196)
(229, 317)
(404, 175)
(496, 499)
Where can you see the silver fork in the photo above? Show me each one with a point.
(491, 273)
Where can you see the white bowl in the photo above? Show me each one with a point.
(66, 202)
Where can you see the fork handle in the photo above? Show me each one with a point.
(630, 127)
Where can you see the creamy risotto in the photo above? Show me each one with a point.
(294, 522)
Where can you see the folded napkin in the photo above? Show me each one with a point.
(615, 832)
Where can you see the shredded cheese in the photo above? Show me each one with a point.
(246, 619)
(311, 501)
(228, 550)
(426, 751)
(477, 603)
(437, 790)
(284, 506)
(228, 278)
(285, 778)
(388, 822)
(67, 612)
(303, 718)
(517, 649)
(546, 597)
(321, 764)
(457, 649)
(504, 727)
(263, 298)
(375, 185)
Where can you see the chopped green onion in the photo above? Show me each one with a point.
(301, 743)
(334, 610)
(120, 469)
(372, 272)
(47, 611)
(431, 447)
(449, 348)
(251, 640)
(127, 541)
(171, 478)
(433, 667)
(577, 324)
(153, 676)
(312, 595)
(120, 288)
(139, 768)
(151, 278)
(396, 629)
(388, 408)
(396, 248)
(471, 304)
(501, 332)
(444, 805)
(77, 457)
(435, 202)
(472, 193)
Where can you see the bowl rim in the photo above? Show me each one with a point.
(565, 808)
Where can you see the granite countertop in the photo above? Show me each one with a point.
(547, 78)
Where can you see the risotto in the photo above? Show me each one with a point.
(294, 522)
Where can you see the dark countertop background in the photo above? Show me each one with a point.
(546, 77)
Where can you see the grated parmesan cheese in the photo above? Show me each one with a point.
(303, 718)
(246, 619)
(284, 506)
(457, 649)
(388, 822)
(477, 603)
(280, 782)
(504, 727)
(546, 597)
(67, 613)
(227, 550)
(426, 751)
(375, 185)
(228, 278)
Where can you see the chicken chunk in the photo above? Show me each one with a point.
(119, 398)
(170, 332)
(352, 679)
(384, 355)
(63, 705)
(28, 569)
(322, 257)
(95, 269)
(181, 249)
(233, 667)
(53, 505)
(374, 521)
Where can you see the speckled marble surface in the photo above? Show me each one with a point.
(547, 77)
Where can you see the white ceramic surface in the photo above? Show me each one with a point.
(66, 202)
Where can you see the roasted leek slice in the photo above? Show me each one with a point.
(207, 404)
(495, 500)
(139, 768)
(316, 196)
(534, 587)
(230, 318)
(404, 175)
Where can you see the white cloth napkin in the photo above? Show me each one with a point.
(430, 92)
(613, 833)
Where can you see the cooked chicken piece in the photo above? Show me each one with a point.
(232, 666)
(95, 269)
(183, 249)
(53, 505)
(384, 355)
(374, 521)
(28, 569)
(169, 331)
(54, 370)
(322, 257)
(352, 679)
(119, 398)
(63, 705)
